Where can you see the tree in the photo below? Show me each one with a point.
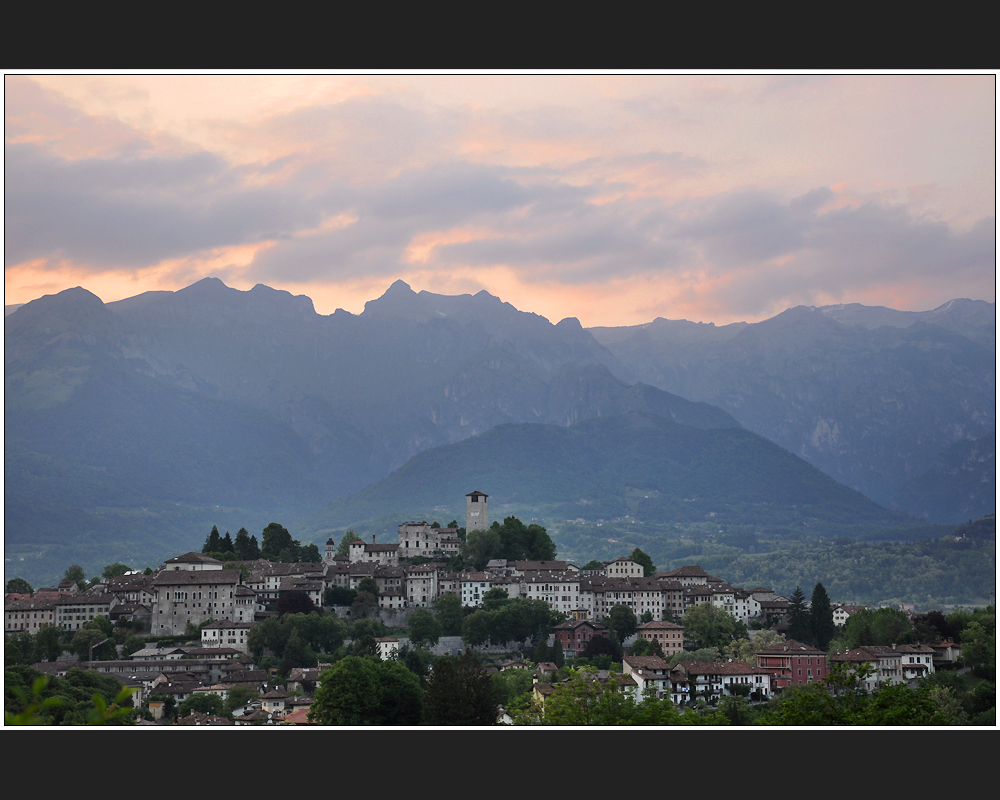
(459, 692)
(599, 645)
(799, 627)
(212, 541)
(495, 598)
(365, 604)
(310, 554)
(706, 625)
(19, 586)
(295, 601)
(882, 626)
(239, 696)
(367, 691)
(821, 618)
(481, 547)
(245, 551)
(203, 703)
(979, 646)
(226, 545)
(424, 628)
(275, 540)
(746, 650)
(448, 610)
(646, 647)
(368, 584)
(639, 557)
(114, 570)
(344, 546)
(76, 573)
(338, 596)
(621, 620)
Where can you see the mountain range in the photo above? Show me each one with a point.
(132, 427)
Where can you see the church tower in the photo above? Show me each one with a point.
(477, 512)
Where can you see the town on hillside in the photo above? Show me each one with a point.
(246, 634)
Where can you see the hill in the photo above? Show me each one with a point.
(650, 469)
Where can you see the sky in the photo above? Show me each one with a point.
(612, 198)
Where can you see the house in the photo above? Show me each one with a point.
(669, 635)
(917, 660)
(388, 647)
(713, 680)
(73, 610)
(791, 662)
(226, 633)
(650, 675)
(192, 562)
(28, 615)
(385, 554)
(573, 635)
(193, 597)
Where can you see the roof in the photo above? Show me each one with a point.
(791, 647)
(646, 662)
(186, 577)
(719, 668)
(477, 494)
(193, 558)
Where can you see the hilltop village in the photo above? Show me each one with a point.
(200, 626)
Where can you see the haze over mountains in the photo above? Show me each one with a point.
(131, 426)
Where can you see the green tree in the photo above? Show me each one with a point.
(238, 697)
(114, 570)
(639, 557)
(275, 540)
(48, 643)
(882, 626)
(460, 692)
(821, 618)
(19, 586)
(799, 627)
(226, 545)
(424, 628)
(495, 598)
(367, 691)
(96, 634)
(294, 601)
(76, 573)
(745, 649)
(979, 646)
(368, 584)
(344, 546)
(310, 554)
(203, 703)
(365, 605)
(646, 647)
(481, 547)
(242, 546)
(448, 610)
(338, 596)
(211, 541)
(621, 620)
(706, 625)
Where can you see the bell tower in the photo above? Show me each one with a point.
(477, 512)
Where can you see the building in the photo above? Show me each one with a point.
(186, 596)
(477, 512)
(669, 635)
(573, 635)
(791, 662)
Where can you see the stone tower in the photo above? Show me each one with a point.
(477, 512)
